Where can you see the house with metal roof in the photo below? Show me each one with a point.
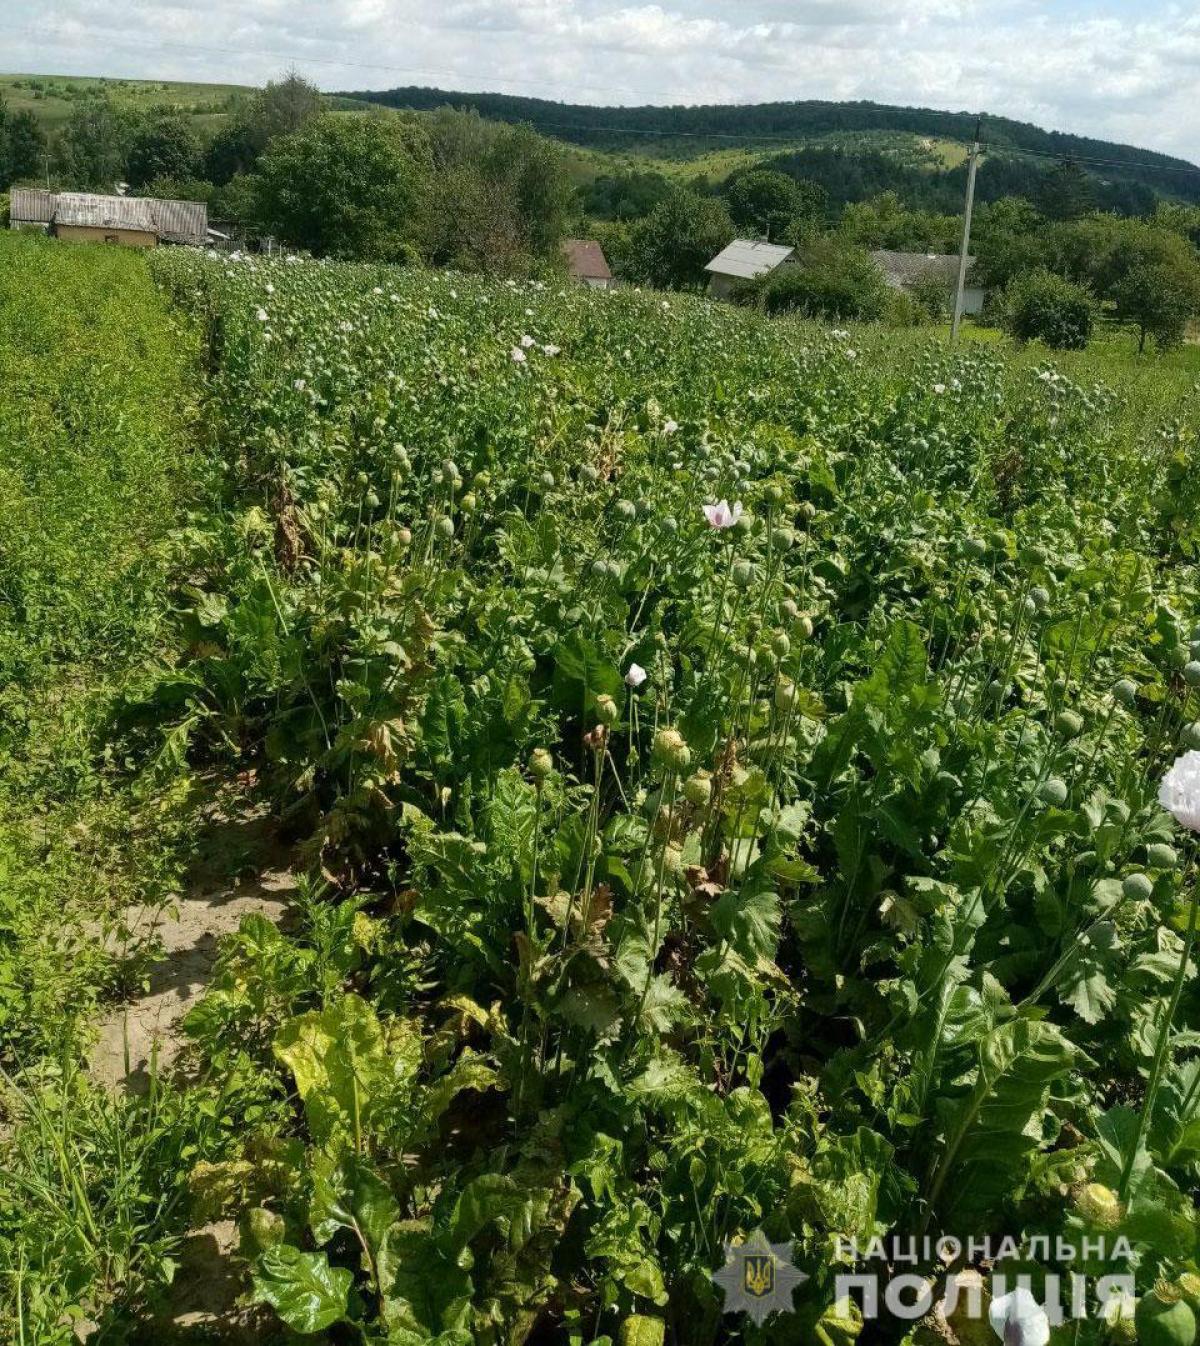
(745, 259)
(587, 264)
(905, 270)
(130, 221)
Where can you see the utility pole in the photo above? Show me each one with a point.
(965, 250)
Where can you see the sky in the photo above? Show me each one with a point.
(1119, 69)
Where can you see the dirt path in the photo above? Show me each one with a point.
(244, 869)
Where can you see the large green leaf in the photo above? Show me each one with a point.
(338, 1059)
(991, 1128)
(307, 1293)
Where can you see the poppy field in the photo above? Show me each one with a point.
(726, 760)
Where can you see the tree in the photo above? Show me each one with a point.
(671, 246)
(163, 146)
(1008, 237)
(763, 201)
(1067, 192)
(830, 279)
(497, 198)
(1160, 297)
(95, 142)
(346, 187)
(1042, 306)
(22, 147)
(282, 108)
(623, 196)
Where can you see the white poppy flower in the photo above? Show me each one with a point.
(722, 514)
(1019, 1320)
(1179, 792)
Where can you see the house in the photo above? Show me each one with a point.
(586, 263)
(904, 270)
(745, 259)
(130, 221)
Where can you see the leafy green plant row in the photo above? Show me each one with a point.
(728, 757)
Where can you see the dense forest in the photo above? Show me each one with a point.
(627, 127)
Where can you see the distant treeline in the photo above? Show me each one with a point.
(628, 127)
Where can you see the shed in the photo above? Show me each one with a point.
(587, 264)
(745, 259)
(903, 270)
(85, 217)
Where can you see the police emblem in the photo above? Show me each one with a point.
(758, 1277)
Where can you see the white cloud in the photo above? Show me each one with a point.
(1115, 74)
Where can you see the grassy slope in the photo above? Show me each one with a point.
(52, 102)
(94, 433)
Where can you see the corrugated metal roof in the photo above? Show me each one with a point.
(30, 205)
(906, 268)
(174, 221)
(747, 259)
(182, 221)
(585, 259)
(83, 210)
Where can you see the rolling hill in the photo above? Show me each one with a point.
(684, 132)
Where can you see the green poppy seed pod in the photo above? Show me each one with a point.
(627, 509)
(600, 567)
(789, 609)
(1040, 596)
(1126, 692)
(806, 511)
(546, 481)
(1189, 1285)
(468, 504)
(785, 694)
(742, 574)
(670, 751)
(483, 480)
(1029, 607)
(1189, 740)
(541, 764)
(1035, 556)
(404, 537)
(998, 541)
(802, 628)
(1191, 673)
(995, 690)
(1054, 792)
(362, 479)
(607, 710)
(669, 524)
(673, 860)
(975, 546)
(371, 500)
(1162, 856)
(589, 473)
(1163, 1318)
(1111, 607)
(1194, 648)
(782, 539)
(450, 467)
(1178, 657)
(445, 526)
(614, 569)
(773, 494)
(1137, 888)
(1099, 1206)
(1068, 724)
(697, 789)
(781, 646)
